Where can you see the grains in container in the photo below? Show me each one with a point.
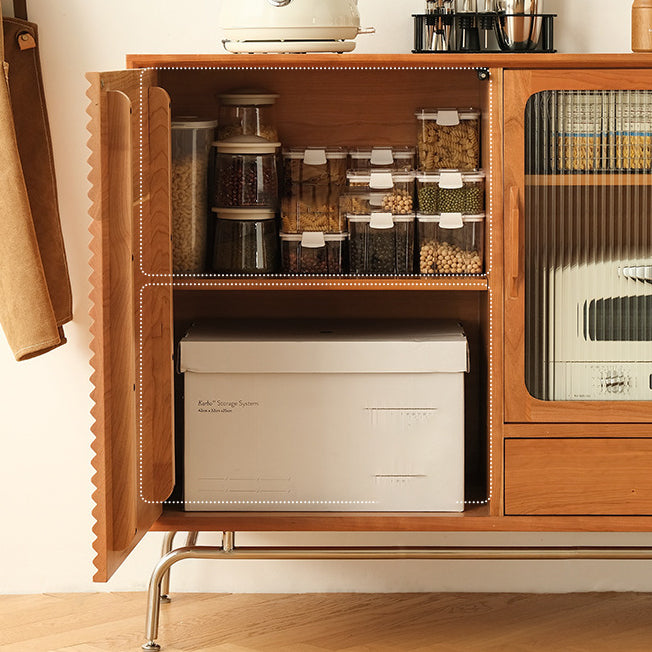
(451, 191)
(451, 243)
(191, 143)
(313, 252)
(247, 112)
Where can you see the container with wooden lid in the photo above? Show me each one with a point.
(642, 26)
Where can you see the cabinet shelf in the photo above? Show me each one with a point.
(456, 283)
(608, 179)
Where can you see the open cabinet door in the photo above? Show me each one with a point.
(131, 310)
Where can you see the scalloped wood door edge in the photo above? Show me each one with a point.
(131, 310)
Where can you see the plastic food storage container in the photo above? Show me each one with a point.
(245, 173)
(451, 191)
(314, 179)
(448, 139)
(246, 242)
(381, 244)
(394, 190)
(191, 146)
(247, 113)
(451, 243)
(313, 252)
(395, 158)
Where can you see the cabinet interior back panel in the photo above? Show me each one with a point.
(331, 107)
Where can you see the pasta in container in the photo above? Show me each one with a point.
(448, 139)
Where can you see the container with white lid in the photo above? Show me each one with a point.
(381, 244)
(247, 112)
(191, 144)
(451, 243)
(313, 252)
(394, 190)
(245, 173)
(314, 178)
(385, 156)
(448, 139)
(451, 191)
(246, 241)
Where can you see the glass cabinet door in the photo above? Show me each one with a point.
(579, 251)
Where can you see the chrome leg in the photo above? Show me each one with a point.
(168, 541)
(192, 539)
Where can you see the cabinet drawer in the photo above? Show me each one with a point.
(578, 476)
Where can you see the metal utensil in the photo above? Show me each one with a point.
(519, 28)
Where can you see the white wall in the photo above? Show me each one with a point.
(45, 539)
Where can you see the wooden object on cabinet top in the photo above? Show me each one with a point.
(578, 476)
(484, 60)
(475, 519)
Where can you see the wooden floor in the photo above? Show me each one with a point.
(604, 622)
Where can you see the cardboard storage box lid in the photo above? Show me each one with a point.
(308, 346)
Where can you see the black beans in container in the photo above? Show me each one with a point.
(382, 251)
(246, 242)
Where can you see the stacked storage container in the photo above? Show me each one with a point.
(450, 192)
(313, 237)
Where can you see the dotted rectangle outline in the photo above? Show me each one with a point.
(171, 282)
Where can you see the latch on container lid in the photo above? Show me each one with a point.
(381, 221)
(381, 180)
(450, 179)
(313, 240)
(448, 117)
(382, 156)
(451, 221)
(315, 157)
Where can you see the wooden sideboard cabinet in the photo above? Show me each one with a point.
(531, 464)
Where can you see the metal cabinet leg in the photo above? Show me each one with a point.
(168, 540)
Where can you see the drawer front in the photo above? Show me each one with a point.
(598, 477)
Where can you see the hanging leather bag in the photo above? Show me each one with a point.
(35, 295)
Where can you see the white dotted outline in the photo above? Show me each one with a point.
(301, 280)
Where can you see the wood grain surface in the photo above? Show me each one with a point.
(471, 622)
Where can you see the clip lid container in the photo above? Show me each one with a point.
(293, 401)
(313, 252)
(451, 191)
(448, 139)
(246, 242)
(247, 112)
(381, 244)
(191, 145)
(383, 156)
(314, 178)
(395, 190)
(245, 173)
(451, 243)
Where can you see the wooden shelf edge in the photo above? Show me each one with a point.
(489, 60)
(465, 283)
(474, 519)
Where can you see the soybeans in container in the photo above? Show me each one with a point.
(247, 112)
(191, 146)
(451, 191)
(314, 179)
(393, 191)
(451, 243)
(381, 244)
(383, 156)
(313, 252)
(448, 139)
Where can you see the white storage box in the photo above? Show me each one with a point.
(363, 416)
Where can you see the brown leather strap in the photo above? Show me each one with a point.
(20, 9)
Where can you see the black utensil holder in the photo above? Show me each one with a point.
(480, 22)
